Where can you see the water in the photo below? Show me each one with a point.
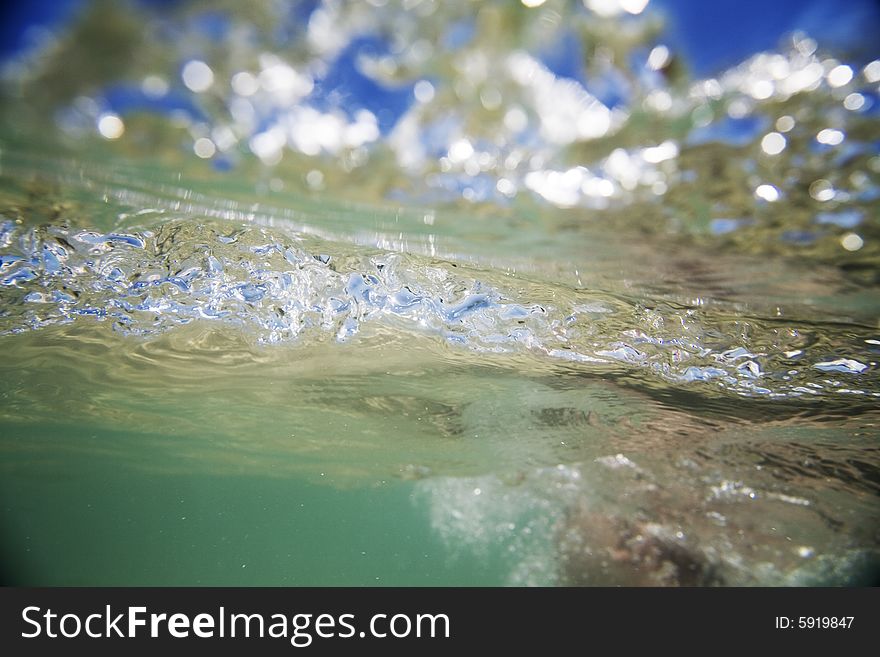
(329, 306)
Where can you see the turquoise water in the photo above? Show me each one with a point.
(514, 325)
(87, 522)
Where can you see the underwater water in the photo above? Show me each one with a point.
(432, 293)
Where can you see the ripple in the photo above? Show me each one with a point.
(269, 285)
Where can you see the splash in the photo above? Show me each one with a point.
(614, 322)
(283, 287)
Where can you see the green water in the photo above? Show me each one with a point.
(81, 519)
(266, 343)
(192, 458)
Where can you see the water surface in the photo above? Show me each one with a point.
(341, 304)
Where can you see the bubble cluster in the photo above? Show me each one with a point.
(271, 286)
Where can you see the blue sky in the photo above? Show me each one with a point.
(712, 34)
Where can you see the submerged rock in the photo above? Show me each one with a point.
(596, 549)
